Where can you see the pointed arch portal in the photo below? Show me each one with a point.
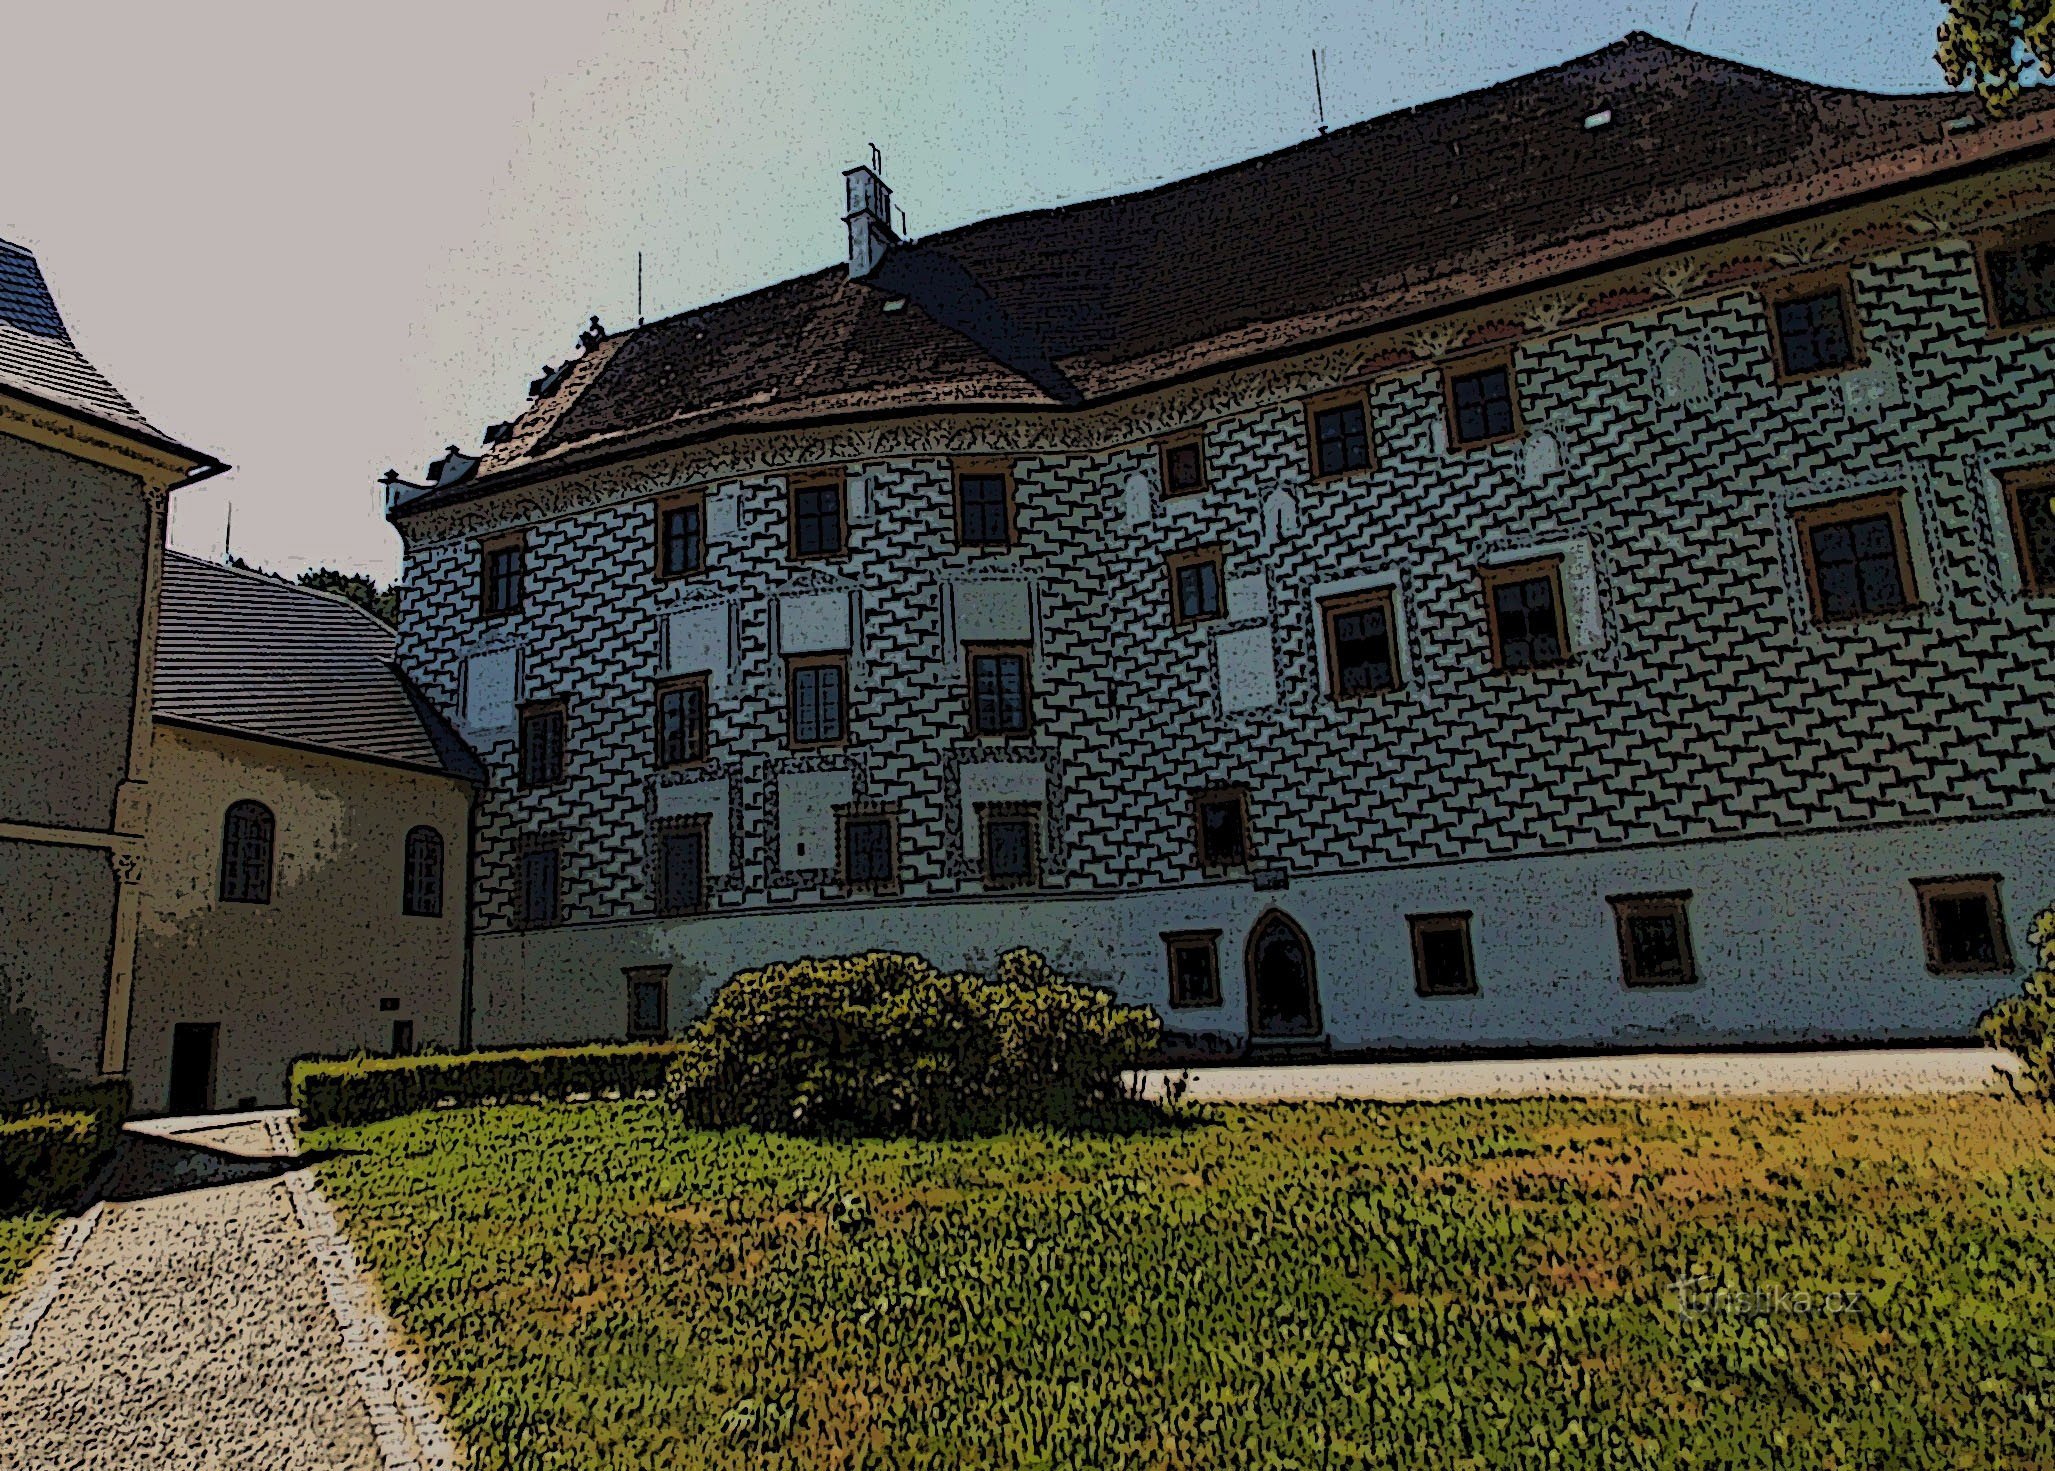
(1284, 999)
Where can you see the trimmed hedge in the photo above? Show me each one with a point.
(50, 1147)
(883, 1043)
(2024, 1025)
(362, 1090)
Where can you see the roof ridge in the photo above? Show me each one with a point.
(279, 581)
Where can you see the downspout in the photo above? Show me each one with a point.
(470, 913)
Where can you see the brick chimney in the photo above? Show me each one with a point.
(869, 218)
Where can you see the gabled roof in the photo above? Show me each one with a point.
(1382, 222)
(39, 360)
(251, 655)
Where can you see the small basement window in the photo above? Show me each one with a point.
(1655, 939)
(1442, 964)
(1964, 926)
(1194, 967)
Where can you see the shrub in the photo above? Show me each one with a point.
(887, 1043)
(49, 1147)
(2024, 1025)
(362, 1090)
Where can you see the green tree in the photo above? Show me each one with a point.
(1994, 44)
(382, 603)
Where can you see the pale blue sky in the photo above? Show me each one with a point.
(323, 240)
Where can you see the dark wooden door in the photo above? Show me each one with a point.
(192, 1066)
(1284, 1000)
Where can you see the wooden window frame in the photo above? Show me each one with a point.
(1341, 605)
(793, 664)
(2037, 231)
(863, 812)
(1494, 576)
(971, 654)
(1176, 562)
(1207, 941)
(1835, 279)
(1983, 886)
(1205, 797)
(535, 709)
(440, 851)
(677, 684)
(1335, 399)
(663, 506)
(522, 851)
(1675, 904)
(666, 827)
(518, 541)
(1469, 367)
(1418, 927)
(1192, 439)
(814, 480)
(648, 975)
(1890, 504)
(1028, 812)
(2017, 483)
(1001, 468)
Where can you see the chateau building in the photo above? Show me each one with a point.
(1568, 564)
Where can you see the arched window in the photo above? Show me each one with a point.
(246, 839)
(423, 888)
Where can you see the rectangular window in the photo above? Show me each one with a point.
(2030, 498)
(1523, 603)
(502, 575)
(817, 700)
(1195, 586)
(542, 743)
(1812, 325)
(1442, 965)
(2018, 273)
(1012, 846)
(536, 904)
(1361, 645)
(869, 843)
(1221, 819)
(1655, 939)
(681, 536)
(1184, 464)
(1964, 926)
(1856, 562)
(814, 512)
(681, 866)
(1194, 967)
(1338, 433)
(648, 1001)
(1000, 696)
(1482, 402)
(984, 503)
(681, 718)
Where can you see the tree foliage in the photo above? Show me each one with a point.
(1994, 45)
(382, 603)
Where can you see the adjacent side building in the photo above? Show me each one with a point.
(304, 888)
(1570, 564)
(84, 481)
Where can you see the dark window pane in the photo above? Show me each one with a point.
(1657, 949)
(423, 882)
(869, 841)
(1198, 590)
(817, 709)
(999, 691)
(1484, 404)
(1527, 631)
(2023, 283)
(1342, 436)
(1221, 843)
(1187, 469)
(503, 575)
(1194, 979)
(1362, 650)
(1010, 846)
(539, 886)
(1963, 926)
(1444, 960)
(1855, 564)
(817, 525)
(684, 537)
(246, 842)
(982, 509)
(683, 876)
(647, 1009)
(1813, 332)
(681, 726)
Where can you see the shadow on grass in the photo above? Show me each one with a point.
(147, 1166)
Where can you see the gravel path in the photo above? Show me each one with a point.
(204, 1317)
(1627, 1075)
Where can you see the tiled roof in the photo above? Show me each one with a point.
(36, 352)
(250, 654)
(1381, 222)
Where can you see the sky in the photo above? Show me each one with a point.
(318, 241)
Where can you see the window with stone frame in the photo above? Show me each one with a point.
(1010, 844)
(543, 727)
(681, 721)
(984, 503)
(1812, 325)
(1442, 962)
(1183, 458)
(1964, 925)
(648, 1001)
(1523, 607)
(2016, 267)
(681, 535)
(681, 877)
(502, 575)
(816, 516)
(816, 700)
(1220, 818)
(1362, 644)
(1482, 401)
(1194, 957)
(1197, 585)
(1001, 690)
(2030, 503)
(867, 850)
(1655, 938)
(1857, 561)
(1338, 433)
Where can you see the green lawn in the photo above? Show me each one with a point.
(21, 1237)
(1476, 1284)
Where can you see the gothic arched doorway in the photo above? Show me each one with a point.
(1283, 998)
